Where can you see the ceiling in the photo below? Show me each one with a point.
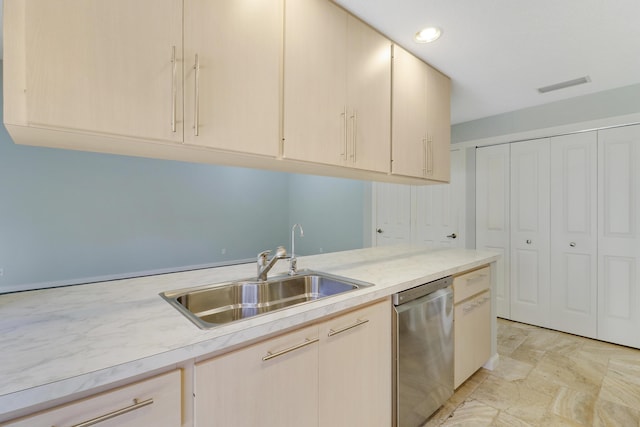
(498, 52)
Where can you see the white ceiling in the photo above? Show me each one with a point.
(498, 52)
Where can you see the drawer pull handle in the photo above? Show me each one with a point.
(306, 342)
(477, 278)
(110, 415)
(346, 328)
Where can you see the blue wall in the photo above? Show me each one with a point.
(70, 217)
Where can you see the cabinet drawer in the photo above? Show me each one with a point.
(472, 336)
(152, 402)
(469, 284)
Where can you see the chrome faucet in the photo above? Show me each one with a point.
(293, 262)
(264, 266)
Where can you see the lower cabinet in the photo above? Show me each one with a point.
(355, 368)
(153, 402)
(335, 373)
(472, 323)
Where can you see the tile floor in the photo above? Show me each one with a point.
(549, 378)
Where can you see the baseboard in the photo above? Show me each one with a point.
(492, 363)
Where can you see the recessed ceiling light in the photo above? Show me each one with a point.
(428, 35)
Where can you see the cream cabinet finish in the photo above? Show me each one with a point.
(241, 389)
(232, 93)
(118, 68)
(337, 87)
(472, 323)
(355, 368)
(153, 402)
(104, 66)
(421, 119)
(335, 373)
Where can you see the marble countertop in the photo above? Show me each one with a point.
(63, 341)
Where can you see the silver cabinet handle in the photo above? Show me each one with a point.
(196, 109)
(354, 134)
(528, 241)
(452, 236)
(379, 231)
(174, 89)
(476, 278)
(345, 133)
(110, 415)
(306, 342)
(429, 160)
(424, 155)
(359, 322)
(572, 244)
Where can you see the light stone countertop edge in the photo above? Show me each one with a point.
(76, 351)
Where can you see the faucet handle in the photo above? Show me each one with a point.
(262, 257)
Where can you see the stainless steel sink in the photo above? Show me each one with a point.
(213, 305)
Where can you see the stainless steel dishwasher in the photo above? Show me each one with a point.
(423, 351)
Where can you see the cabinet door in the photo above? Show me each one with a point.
(438, 125)
(241, 389)
(409, 113)
(493, 221)
(574, 234)
(472, 336)
(393, 213)
(439, 209)
(105, 66)
(315, 93)
(233, 97)
(355, 368)
(368, 97)
(530, 216)
(153, 402)
(619, 235)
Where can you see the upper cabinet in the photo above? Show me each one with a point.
(421, 119)
(233, 82)
(337, 88)
(123, 69)
(232, 69)
(95, 66)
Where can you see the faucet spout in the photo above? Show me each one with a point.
(293, 262)
(265, 265)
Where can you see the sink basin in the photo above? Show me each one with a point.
(213, 305)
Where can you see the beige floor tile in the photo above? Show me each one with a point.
(549, 378)
(511, 369)
(621, 391)
(576, 406)
(528, 354)
(510, 338)
(506, 420)
(609, 414)
(513, 397)
(576, 374)
(473, 414)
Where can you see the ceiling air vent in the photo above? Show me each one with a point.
(562, 85)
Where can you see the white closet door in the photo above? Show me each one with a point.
(574, 238)
(530, 229)
(439, 209)
(393, 213)
(492, 215)
(619, 235)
